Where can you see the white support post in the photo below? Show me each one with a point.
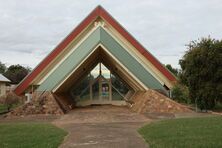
(110, 88)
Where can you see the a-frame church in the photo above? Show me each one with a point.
(99, 62)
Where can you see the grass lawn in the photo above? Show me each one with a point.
(189, 132)
(30, 135)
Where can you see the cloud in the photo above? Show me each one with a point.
(32, 28)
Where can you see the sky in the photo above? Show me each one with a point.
(30, 29)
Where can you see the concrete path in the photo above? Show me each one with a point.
(102, 127)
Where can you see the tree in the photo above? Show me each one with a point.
(173, 70)
(202, 72)
(16, 73)
(2, 67)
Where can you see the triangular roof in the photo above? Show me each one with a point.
(102, 13)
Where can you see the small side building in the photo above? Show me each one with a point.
(3, 85)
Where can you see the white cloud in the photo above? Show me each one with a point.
(32, 28)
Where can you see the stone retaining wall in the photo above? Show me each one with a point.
(149, 101)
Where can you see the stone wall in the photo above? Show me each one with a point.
(41, 103)
(152, 101)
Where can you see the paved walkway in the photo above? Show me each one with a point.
(102, 127)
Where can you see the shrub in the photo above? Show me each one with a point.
(9, 100)
(180, 93)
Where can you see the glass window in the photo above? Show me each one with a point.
(100, 85)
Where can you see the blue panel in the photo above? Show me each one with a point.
(129, 61)
(71, 62)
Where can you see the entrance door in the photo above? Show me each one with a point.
(105, 89)
(100, 90)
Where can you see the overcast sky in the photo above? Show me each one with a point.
(30, 29)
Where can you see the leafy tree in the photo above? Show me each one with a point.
(2, 67)
(173, 70)
(202, 71)
(16, 73)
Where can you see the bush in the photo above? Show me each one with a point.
(180, 94)
(9, 100)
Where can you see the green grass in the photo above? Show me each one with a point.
(185, 133)
(30, 135)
